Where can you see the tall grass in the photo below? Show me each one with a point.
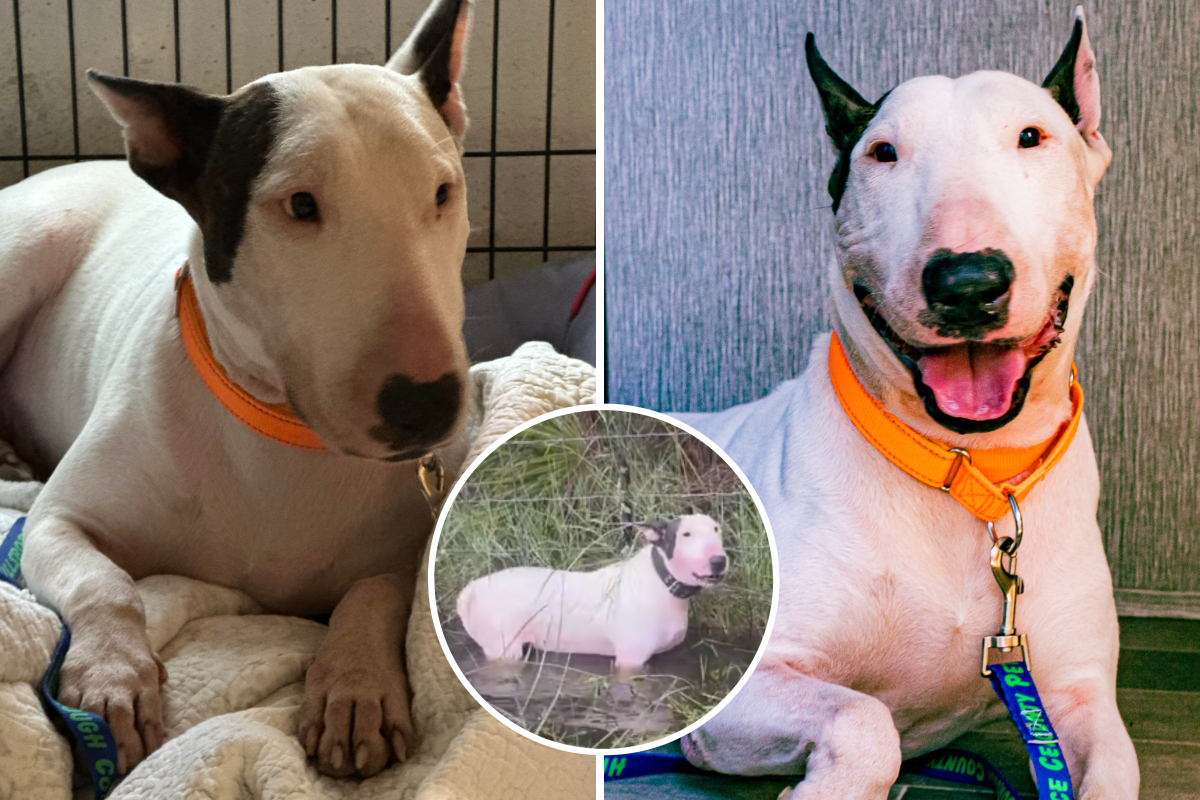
(552, 496)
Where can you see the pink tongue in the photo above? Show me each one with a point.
(973, 381)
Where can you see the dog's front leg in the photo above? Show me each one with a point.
(1093, 739)
(786, 723)
(111, 669)
(355, 715)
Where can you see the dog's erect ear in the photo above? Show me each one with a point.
(847, 115)
(846, 112)
(436, 51)
(169, 129)
(1075, 85)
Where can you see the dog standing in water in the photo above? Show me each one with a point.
(965, 229)
(630, 610)
(322, 217)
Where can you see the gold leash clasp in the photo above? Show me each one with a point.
(1011, 585)
(432, 477)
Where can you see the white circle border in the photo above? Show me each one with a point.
(437, 535)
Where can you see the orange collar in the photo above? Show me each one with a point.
(276, 422)
(970, 477)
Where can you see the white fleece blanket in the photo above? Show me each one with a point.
(237, 676)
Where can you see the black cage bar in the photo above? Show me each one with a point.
(492, 153)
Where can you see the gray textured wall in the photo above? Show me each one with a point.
(718, 226)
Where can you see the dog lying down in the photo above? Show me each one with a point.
(254, 420)
(630, 610)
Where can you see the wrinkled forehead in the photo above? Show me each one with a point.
(984, 100)
(357, 121)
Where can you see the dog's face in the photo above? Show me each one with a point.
(965, 233)
(691, 547)
(332, 208)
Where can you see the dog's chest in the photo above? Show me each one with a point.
(902, 621)
(299, 544)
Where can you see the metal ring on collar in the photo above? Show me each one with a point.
(955, 467)
(1016, 540)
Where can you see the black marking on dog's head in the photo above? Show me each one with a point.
(203, 151)
(1061, 80)
(847, 115)
(239, 152)
(666, 531)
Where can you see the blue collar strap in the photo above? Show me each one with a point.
(90, 731)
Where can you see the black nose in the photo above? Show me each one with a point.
(718, 564)
(414, 416)
(967, 293)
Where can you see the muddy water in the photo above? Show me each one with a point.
(577, 699)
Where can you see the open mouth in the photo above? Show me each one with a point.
(709, 580)
(973, 387)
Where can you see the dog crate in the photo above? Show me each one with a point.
(529, 87)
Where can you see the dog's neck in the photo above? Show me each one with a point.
(237, 347)
(676, 587)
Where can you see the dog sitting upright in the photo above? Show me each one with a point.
(965, 239)
(322, 217)
(630, 610)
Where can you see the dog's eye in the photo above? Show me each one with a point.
(302, 206)
(685, 533)
(884, 152)
(1030, 137)
(443, 193)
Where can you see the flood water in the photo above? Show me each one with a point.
(579, 700)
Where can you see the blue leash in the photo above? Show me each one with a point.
(1011, 681)
(88, 730)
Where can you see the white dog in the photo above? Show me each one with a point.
(322, 217)
(630, 610)
(965, 239)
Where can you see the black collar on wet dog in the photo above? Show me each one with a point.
(674, 585)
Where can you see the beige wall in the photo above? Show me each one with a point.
(64, 121)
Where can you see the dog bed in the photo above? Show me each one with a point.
(237, 675)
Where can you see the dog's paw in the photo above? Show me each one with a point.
(355, 717)
(118, 677)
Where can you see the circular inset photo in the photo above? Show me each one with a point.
(603, 578)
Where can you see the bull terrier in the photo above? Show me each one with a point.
(322, 216)
(630, 610)
(965, 237)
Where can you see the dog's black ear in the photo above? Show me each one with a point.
(1075, 85)
(847, 115)
(846, 112)
(169, 129)
(436, 51)
(1073, 81)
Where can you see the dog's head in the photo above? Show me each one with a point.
(965, 238)
(332, 214)
(691, 547)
